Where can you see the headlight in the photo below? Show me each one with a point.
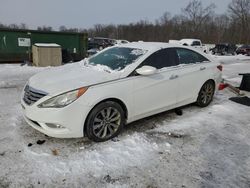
(63, 99)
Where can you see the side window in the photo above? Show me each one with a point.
(189, 57)
(162, 58)
(196, 43)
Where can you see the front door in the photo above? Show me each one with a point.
(157, 92)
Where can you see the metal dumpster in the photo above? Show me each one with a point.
(15, 44)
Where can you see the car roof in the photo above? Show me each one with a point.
(189, 40)
(150, 46)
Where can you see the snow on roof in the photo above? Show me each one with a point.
(47, 45)
(189, 39)
(149, 45)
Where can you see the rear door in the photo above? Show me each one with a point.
(194, 71)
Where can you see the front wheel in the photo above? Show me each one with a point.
(105, 121)
(206, 94)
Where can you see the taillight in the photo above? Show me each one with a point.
(219, 67)
(222, 86)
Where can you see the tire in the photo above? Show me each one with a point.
(105, 121)
(206, 94)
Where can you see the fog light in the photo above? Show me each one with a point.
(54, 126)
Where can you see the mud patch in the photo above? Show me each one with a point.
(206, 175)
(109, 179)
(4, 183)
(167, 134)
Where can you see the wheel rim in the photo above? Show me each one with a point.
(106, 122)
(207, 93)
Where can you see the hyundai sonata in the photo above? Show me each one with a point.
(98, 96)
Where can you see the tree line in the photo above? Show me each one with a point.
(195, 21)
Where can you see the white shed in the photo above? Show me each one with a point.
(46, 54)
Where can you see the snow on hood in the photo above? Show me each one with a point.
(69, 77)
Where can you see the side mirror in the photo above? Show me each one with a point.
(146, 70)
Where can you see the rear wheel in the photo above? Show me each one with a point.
(206, 94)
(105, 121)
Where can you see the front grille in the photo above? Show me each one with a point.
(32, 95)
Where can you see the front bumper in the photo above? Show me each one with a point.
(70, 119)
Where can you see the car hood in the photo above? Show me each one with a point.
(69, 77)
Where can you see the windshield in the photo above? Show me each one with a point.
(117, 58)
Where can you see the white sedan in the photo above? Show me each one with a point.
(98, 96)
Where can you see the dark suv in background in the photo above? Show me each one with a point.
(224, 48)
(100, 43)
(244, 49)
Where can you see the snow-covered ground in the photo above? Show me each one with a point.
(205, 147)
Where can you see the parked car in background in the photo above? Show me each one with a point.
(196, 43)
(122, 41)
(100, 43)
(92, 52)
(121, 84)
(224, 48)
(191, 42)
(244, 49)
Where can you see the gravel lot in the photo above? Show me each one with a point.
(205, 147)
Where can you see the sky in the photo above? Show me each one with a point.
(86, 14)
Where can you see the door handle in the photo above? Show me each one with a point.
(173, 77)
(202, 68)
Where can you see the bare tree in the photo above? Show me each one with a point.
(62, 28)
(165, 18)
(196, 21)
(2, 25)
(75, 30)
(221, 24)
(13, 26)
(23, 26)
(239, 11)
(44, 28)
(197, 15)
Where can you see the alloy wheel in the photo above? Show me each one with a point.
(106, 122)
(207, 93)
